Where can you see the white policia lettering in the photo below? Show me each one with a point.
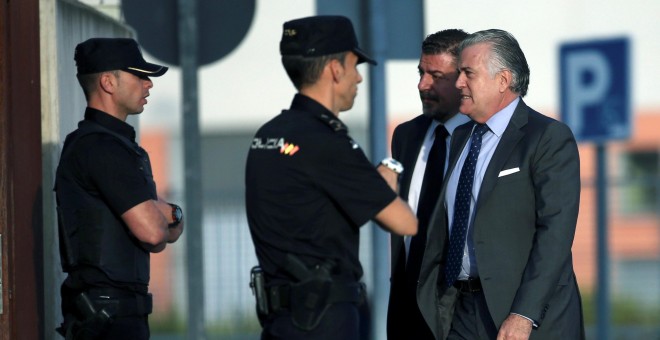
(267, 143)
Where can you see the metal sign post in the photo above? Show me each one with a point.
(595, 103)
(192, 160)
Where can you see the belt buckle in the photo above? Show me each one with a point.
(473, 284)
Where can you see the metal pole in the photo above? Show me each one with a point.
(603, 303)
(187, 15)
(377, 38)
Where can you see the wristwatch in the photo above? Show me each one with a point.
(393, 165)
(177, 215)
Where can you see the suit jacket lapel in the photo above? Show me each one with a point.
(409, 151)
(438, 230)
(511, 136)
(459, 138)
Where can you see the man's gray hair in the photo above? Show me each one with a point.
(505, 55)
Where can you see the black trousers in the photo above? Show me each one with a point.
(471, 318)
(129, 327)
(405, 321)
(122, 327)
(342, 320)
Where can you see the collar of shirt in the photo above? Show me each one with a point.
(109, 122)
(499, 121)
(452, 123)
(303, 103)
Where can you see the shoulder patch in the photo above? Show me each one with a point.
(277, 143)
(289, 149)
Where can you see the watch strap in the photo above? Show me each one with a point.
(393, 165)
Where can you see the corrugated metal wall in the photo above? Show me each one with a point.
(77, 22)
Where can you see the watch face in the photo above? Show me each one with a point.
(177, 213)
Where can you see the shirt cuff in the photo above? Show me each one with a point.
(534, 324)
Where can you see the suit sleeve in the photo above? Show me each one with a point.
(396, 143)
(556, 179)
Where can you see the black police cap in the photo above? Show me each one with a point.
(109, 54)
(321, 35)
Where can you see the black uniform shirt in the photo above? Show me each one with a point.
(309, 187)
(105, 167)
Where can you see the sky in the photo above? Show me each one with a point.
(249, 86)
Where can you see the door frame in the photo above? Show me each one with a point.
(21, 211)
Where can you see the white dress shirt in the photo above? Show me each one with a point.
(415, 188)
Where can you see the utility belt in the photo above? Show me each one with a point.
(121, 302)
(308, 298)
(279, 297)
(97, 308)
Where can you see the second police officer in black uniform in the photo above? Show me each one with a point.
(110, 216)
(309, 188)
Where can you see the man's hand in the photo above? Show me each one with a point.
(515, 327)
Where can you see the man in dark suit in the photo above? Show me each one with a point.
(412, 143)
(501, 235)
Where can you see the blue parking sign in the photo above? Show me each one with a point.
(595, 89)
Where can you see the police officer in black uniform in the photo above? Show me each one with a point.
(309, 188)
(110, 217)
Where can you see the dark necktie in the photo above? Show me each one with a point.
(462, 207)
(431, 184)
